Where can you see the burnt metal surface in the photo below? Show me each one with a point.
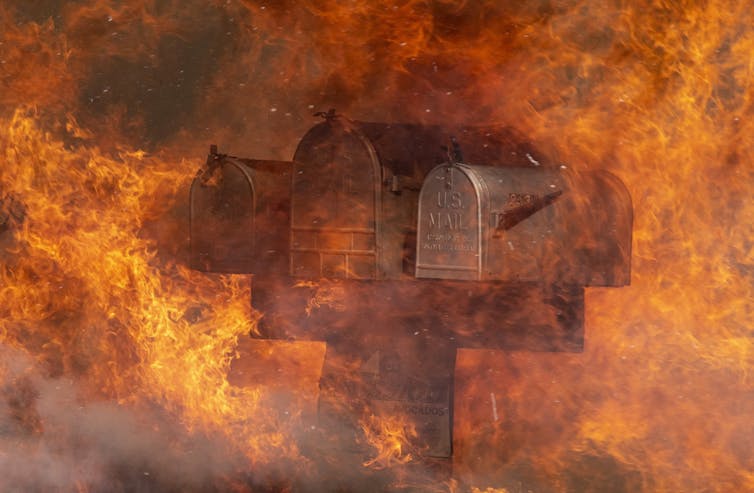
(395, 251)
(239, 210)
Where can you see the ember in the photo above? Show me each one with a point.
(123, 368)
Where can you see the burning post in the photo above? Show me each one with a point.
(432, 255)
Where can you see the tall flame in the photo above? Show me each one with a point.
(106, 108)
(88, 296)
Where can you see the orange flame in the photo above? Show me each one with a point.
(93, 286)
(390, 437)
(87, 295)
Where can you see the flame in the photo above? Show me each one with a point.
(101, 131)
(390, 436)
(87, 295)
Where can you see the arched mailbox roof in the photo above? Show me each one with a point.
(413, 150)
(496, 184)
(335, 204)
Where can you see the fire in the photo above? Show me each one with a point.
(389, 435)
(102, 129)
(89, 297)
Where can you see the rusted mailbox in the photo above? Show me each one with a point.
(408, 250)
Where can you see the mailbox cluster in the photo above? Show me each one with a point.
(384, 202)
(434, 251)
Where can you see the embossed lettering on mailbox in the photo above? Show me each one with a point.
(448, 229)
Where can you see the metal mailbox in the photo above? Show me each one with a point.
(238, 215)
(336, 208)
(523, 225)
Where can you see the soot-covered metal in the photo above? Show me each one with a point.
(427, 251)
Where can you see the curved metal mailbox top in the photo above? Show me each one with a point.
(449, 235)
(335, 205)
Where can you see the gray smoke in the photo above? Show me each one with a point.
(53, 440)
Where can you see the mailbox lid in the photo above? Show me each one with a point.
(449, 225)
(335, 204)
(237, 208)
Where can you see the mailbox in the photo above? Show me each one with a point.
(239, 209)
(518, 224)
(336, 205)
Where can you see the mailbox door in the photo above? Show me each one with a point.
(335, 203)
(449, 231)
(222, 219)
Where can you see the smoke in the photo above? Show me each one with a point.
(658, 93)
(52, 438)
